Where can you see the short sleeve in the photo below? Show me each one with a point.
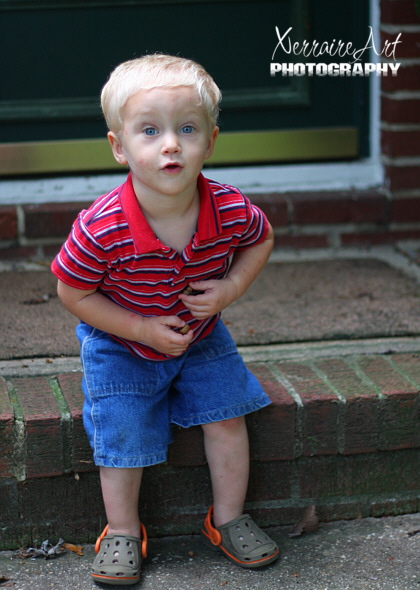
(82, 262)
(255, 228)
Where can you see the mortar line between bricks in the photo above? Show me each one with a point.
(19, 443)
(366, 501)
(324, 377)
(278, 375)
(341, 405)
(402, 373)
(15, 402)
(286, 383)
(62, 405)
(294, 480)
(66, 423)
(352, 362)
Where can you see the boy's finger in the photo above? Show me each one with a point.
(192, 304)
(201, 314)
(173, 321)
(199, 286)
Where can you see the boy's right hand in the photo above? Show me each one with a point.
(160, 334)
(99, 311)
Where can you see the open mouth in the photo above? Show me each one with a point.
(172, 167)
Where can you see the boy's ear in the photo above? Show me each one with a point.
(117, 148)
(212, 141)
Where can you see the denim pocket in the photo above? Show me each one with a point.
(109, 368)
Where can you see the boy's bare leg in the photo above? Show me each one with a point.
(120, 491)
(227, 451)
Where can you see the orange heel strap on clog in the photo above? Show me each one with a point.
(99, 539)
(210, 531)
(241, 540)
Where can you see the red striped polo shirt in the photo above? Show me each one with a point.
(112, 248)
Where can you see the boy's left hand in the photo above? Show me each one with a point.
(216, 295)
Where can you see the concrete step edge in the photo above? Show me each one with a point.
(264, 353)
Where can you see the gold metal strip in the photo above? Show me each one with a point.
(242, 147)
(278, 146)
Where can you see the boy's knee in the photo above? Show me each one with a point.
(226, 427)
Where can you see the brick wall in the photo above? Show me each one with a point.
(400, 114)
(304, 219)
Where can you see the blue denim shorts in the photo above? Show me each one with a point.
(130, 402)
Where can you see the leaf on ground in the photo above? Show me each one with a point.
(309, 523)
(75, 548)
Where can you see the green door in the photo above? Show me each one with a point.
(57, 56)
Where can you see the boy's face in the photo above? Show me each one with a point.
(165, 138)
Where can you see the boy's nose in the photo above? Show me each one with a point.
(170, 143)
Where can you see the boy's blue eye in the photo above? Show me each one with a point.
(150, 131)
(187, 129)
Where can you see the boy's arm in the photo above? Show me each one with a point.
(219, 294)
(100, 312)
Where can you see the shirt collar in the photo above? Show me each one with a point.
(145, 240)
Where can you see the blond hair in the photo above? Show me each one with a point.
(152, 71)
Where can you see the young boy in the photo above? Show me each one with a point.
(148, 268)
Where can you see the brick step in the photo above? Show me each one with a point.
(343, 432)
